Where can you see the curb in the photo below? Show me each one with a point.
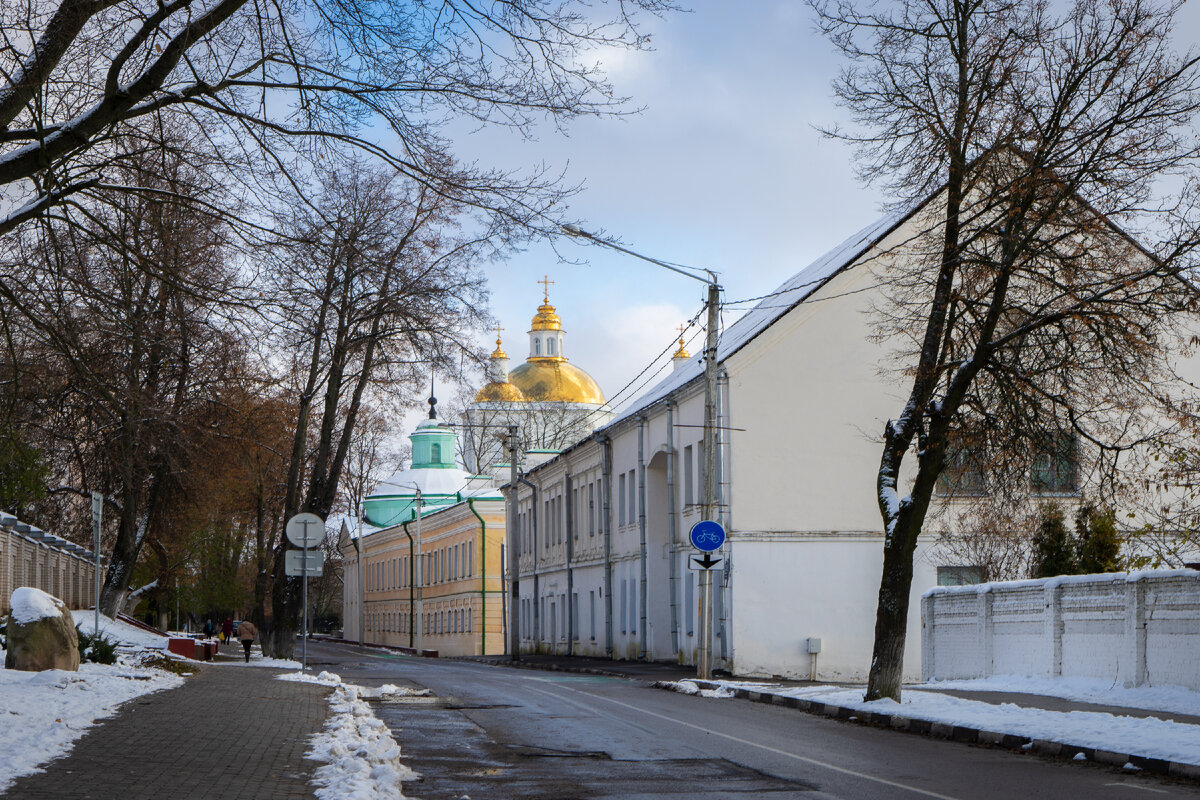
(960, 733)
(607, 673)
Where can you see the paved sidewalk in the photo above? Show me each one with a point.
(230, 732)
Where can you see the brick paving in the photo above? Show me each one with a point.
(229, 732)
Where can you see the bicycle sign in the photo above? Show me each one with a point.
(707, 536)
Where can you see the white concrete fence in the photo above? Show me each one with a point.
(1134, 629)
(31, 557)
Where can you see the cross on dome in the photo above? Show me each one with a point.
(545, 281)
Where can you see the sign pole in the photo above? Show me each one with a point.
(97, 513)
(706, 536)
(304, 609)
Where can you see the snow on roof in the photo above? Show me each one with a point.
(790, 293)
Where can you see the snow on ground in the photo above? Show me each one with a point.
(126, 635)
(362, 760)
(257, 660)
(1150, 737)
(43, 713)
(1173, 699)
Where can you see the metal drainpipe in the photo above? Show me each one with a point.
(606, 524)
(644, 578)
(412, 588)
(533, 517)
(570, 572)
(672, 527)
(482, 577)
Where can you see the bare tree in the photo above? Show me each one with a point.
(377, 288)
(269, 81)
(1021, 305)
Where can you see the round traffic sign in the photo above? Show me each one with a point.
(305, 530)
(707, 535)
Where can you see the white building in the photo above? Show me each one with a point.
(804, 393)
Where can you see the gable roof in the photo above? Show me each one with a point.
(773, 306)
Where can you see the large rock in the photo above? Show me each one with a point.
(41, 633)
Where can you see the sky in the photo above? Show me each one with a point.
(722, 169)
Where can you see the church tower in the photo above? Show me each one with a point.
(554, 402)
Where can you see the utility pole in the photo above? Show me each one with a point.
(362, 611)
(514, 634)
(708, 496)
(709, 492)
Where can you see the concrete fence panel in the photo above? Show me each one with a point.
(1136, 629)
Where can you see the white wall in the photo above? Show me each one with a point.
(1136, 629)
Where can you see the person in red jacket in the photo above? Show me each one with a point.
(227, 629)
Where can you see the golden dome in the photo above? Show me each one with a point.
(681, 352)
(546, 319)
(555, 379)
(499, 392)
(499, 351)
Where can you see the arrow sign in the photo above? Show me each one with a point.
(708, 562)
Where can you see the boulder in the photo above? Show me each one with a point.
(41, 633)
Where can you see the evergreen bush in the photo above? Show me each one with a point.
(1053, 548)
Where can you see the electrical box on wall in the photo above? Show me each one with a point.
(813, 645)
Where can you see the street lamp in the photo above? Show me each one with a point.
(709, 489)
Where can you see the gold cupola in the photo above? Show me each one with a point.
(499, 389)
(547, 376)
(681, 356)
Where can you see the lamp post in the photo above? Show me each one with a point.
(709, 488)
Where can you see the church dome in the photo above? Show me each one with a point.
(546, 319)
(499, 392)
(555, 380)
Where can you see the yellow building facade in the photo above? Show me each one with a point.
(433, 584)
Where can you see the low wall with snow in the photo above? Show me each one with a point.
(31, 557)
(1135, 629)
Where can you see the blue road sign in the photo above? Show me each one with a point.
(707, 535)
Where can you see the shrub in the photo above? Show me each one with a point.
(1099, 544)
(96, 648)
(1053, 549)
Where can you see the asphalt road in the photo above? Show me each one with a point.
(493, 733)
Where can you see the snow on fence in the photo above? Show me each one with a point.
(1135, 629)
(31, 557)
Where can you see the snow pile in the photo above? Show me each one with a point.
(1172, 699)
(1149, 737)
(362, 759)
(30, 605)
(259, 661)
(125, 635)
(690, 687)
(325, 678)
(43, 713)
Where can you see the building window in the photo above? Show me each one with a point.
(537, 347)
(624, 603)
(634, 512)
(591, 509)
(689, 483)
(435, 452)
(963, 472)
(621, 499)
(550, 346)
(1054, 468)
(592, 613)
(959, 576)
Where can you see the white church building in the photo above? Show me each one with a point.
(804, 393)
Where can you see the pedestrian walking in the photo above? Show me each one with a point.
(227, 629)
(209, 628)
(247, 633)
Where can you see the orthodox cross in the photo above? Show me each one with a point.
(498, 329)
(545, 281)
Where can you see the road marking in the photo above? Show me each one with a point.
(768, 748)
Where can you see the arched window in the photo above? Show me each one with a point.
(537, 347)
(550, 346)
(435, 452)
